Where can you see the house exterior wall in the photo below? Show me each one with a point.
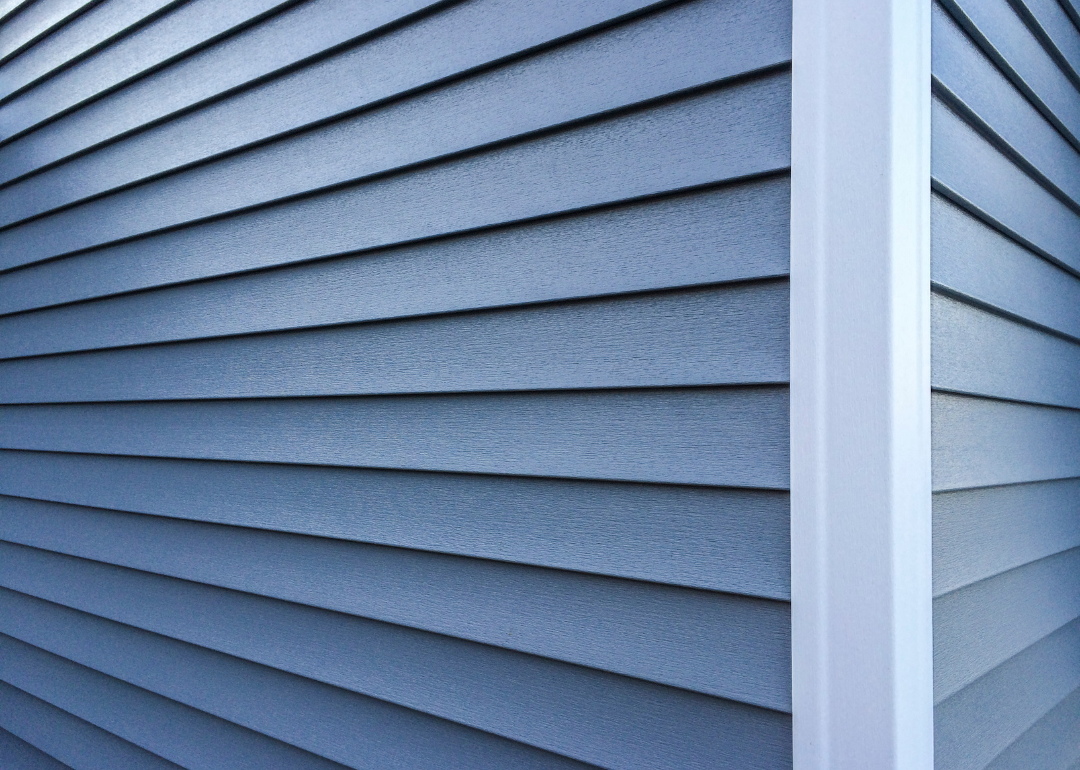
(1006, 378)
(395, 384)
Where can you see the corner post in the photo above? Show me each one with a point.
(862, 646)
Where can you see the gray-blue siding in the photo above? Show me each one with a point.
(397, 384)
(1006, 378)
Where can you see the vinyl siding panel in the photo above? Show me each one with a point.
(981, 353)
(304, 714)
(77, 742)
(736, 642)
(139, 101)
(978, 627)
(402, 386)
(973, 728)
(987, 99)
(685, 48)
(532, 700)
(1006, 406)
(979, 533)
(608, 162)
(332, 84)
(99, 26)
(1051, 23)
(35, 20)
(701, 537)
(661, 434)
(658, 149)
(984, 267)
(191, 25)
(736, 334)
(1053, 742)
(718, 235)
(1016, 49)
(9, 7)
(975, 173)
(20, 755)
(189, 737)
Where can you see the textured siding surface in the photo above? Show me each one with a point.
(394, 384)
(1006, 374)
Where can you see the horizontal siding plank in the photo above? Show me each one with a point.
(189, 737)
(971, 259)
(17, 754)
(683, 48)
(200, 74)
(731, 233)
(979, 627)
(732, 335)
(1013, 47)
(327, 225)
(980, 442)
(971, 169)
(631, 724)
(978, 723)
(979, 353)
(9, 7)
(963, 69)
(1051, 22)
(354, 730)
(979, 533)
(719, 539)
(148, 627)
(1052, 743)
(1006, 552)
(97, 27)
(74, 741)
(35, 21)
(368, 72)
(189, 25)
(722, 437)
(735, 131)
(718, 644)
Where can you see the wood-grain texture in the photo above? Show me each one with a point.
(1005, 325)
(398, 384)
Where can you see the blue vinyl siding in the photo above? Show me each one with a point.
(397, 384)
(75, 741)
(17, 753)
(34, 21)
(1006, 374)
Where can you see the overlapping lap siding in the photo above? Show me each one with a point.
(1006, 374)
(396, 384)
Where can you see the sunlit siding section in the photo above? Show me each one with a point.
(396, 384)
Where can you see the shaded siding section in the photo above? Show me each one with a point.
(20, 755)
(1006, 377)
(397, 385)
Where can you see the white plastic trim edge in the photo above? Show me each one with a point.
(861, 581)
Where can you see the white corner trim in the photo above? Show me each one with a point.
(862, 647)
